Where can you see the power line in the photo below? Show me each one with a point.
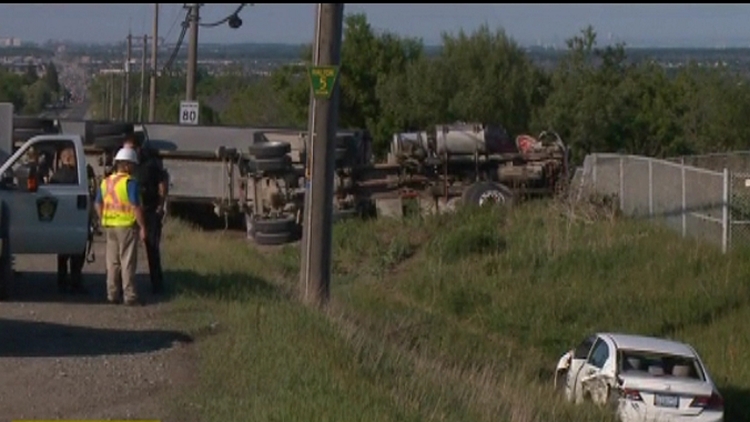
(225, 20)
(178, 45)
(174, 23)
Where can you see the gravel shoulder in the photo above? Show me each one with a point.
(64, 356)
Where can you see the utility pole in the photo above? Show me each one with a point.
(192, 55)
(111, 96)
(142, 95)
(126, 97)
(317, 224)
(154, 56)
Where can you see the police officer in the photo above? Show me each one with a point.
(119, 208)
(153, 187)
(67, 173)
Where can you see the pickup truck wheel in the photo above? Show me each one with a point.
(273, 239)
(268, 150)
(110, 129)
(6, 263)
(487, 193)
(110, 141)
(279, 164)
(274, 225)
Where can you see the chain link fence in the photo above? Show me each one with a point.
(691, 200)
(738, 165)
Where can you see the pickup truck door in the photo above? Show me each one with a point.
(54, 219)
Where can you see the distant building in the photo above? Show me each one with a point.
(10, 42)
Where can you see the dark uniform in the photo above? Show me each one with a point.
(74, 263)
(150, 174)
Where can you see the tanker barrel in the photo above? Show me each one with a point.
(472, 138)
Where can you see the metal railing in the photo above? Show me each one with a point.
(706, 204)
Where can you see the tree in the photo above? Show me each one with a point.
(52, 79)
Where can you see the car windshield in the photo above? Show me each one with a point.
(659, 364)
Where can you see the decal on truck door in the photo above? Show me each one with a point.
(46, 208)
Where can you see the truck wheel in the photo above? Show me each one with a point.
(110, 142)
(268, 150)
(487, 193)
(273, 239)
(33, 123)
(278, 164)
(345, 214)
(274, 225)
(110, 129)
(6, 264)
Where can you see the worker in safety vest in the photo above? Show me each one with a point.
(119, 208)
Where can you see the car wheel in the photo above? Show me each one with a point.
(274, 225)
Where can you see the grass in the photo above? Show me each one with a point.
(458, 317)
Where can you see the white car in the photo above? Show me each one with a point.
(642, 378)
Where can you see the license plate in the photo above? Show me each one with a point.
(666, 401)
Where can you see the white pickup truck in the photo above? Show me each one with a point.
(36, 216)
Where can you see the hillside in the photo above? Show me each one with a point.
(458, 317)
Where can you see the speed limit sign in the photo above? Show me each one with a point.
(188, 112)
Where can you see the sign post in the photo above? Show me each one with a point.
(189, 112)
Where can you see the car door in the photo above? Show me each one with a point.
(595, 373)
(53, 218)
(580, 355)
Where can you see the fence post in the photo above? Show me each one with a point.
(594, 164)
(622, 185)
(725, 223)
(650, 187)
(684, 202)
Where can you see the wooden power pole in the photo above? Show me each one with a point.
(154, 56)
(142, 96)
(317, 224)
(126, 97)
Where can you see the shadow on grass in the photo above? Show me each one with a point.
(736, 403)
(220, 286)
(44, 339)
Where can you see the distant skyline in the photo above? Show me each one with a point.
(639, 25)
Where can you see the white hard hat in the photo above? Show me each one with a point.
(127, 154)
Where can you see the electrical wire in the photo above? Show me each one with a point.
(178, 44)
(185, 25)
(225, 20)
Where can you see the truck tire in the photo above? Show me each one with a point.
(346, 214)
(110, 129)
(485, 193)
(274, 225)
(267, 150)
(274, 239)
(110, 142)
(278, 164)
(6, 263)
(33, 123)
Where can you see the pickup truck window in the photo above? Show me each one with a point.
(50, 161)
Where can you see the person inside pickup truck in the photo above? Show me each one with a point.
(69, 281)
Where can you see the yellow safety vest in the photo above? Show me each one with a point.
(117, 210)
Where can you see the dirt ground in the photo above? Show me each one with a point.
(76, 357)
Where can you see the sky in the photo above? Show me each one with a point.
(681, 25)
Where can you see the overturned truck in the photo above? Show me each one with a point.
(259, 174)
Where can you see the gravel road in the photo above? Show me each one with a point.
(65, 356)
